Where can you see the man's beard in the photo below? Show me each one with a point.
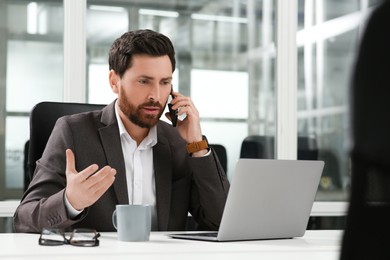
(134, 114)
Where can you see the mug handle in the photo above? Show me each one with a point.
(114, 220)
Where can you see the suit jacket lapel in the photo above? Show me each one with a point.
(163, 177)
(109, 135)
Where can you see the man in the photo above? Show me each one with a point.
(124, 154)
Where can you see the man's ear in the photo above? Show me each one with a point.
(114, 81)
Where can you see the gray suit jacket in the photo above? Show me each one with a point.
(183, 184)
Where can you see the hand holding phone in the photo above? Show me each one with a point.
(172, 112)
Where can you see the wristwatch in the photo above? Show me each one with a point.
(198, 146)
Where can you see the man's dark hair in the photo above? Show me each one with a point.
(139, 42)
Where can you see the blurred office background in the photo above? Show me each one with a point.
(227, 60)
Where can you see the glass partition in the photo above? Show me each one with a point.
(225, 61)
(31, 70)
(327, 39)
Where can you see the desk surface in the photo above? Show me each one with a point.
(321, 244)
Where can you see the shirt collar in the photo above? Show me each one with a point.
(149, 141)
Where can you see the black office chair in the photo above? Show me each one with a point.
(220, 150)
(368, 223)
(42, 120)
(27, 178)
(257, 146)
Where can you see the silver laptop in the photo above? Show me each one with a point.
(268, 199)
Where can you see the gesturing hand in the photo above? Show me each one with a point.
(85, 187)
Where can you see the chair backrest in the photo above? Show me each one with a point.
(367, 231)
(42, 120)
(257, 146)
(222, 154)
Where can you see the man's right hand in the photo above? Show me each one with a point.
(85, 187)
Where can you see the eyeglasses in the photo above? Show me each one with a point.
(79, 237)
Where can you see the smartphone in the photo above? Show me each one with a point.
(172, 112)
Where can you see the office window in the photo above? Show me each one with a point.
(31, 71)
(327, 38)
(222, 47)
(208, 87)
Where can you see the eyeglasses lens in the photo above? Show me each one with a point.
(83, 237)
(51, 238)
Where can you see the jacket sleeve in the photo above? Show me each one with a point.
(42, 205)
(209, 191)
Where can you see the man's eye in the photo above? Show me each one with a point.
(143, 82)
(166, 82)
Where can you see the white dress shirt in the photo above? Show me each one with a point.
(140, 179)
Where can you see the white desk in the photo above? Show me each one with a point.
(318, 245)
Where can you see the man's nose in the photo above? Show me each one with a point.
(154, 93)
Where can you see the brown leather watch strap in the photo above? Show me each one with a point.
(198, 146)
